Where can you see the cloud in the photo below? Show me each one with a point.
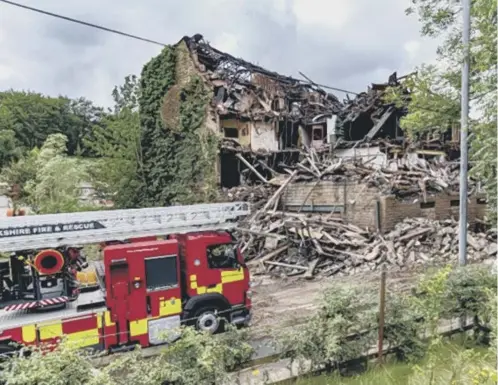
(343, 43)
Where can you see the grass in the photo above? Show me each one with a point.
(453, 361)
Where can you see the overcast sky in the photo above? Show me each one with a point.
(342, 43)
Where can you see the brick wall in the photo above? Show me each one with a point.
(354, 201)
(442, 206)
(357, 203)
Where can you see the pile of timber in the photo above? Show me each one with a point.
(309, 245)
(254, 194)
(404, 177)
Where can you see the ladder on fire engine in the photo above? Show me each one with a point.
(55, 230)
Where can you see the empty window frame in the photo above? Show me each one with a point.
(161, 272)
(455, 202)
(231, 132)
(427, 205)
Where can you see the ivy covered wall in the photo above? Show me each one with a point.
(179, 151)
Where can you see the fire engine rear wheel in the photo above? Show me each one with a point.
(208, 320)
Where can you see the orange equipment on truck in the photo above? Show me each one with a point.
(194, 275)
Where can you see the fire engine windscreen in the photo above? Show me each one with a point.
(223, 256)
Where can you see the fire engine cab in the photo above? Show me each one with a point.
(161, 268)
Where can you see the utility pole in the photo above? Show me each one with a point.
(382, 311)
(462, 242)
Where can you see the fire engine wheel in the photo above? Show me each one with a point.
(207, 320)
(6, 351)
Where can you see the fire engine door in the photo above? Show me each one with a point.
(119, 277)
(226, 272)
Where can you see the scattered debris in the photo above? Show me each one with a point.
(309, 245)
(249, 91)
(402, 177)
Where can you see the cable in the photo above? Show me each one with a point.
(130, 35)
(82, 22)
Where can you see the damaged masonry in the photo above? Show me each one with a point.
(266, 118)
(336, 186)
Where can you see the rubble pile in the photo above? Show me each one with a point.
(402, 177)
(309, 245)
(255, 194)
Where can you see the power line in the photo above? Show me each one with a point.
(131, 36)
(83, 23)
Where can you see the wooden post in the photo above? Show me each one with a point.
(382, 308)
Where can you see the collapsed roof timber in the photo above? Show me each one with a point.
(263, 110)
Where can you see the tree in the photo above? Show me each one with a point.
(49, 179)
(435, 97)
(33, 117)
(116, 143)
(56, 186)
(9, 147)
(20, 172)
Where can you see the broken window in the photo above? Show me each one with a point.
(231, 132)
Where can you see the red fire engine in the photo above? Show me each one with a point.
(194, 275)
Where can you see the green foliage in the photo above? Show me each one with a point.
(468, 290)
(461, 367)
(325, 339)
(449, 364)
(196, 149)
(430, 298)
(64, 366)
(402, 328)
(435, 98)
(116, 143)
(21, 172)
(178, 162)
(195, 359)
(32, 117)
(49, 179)
(9, 147)
(157, 77)
(455, 292)
(200, 358)
(56, 186)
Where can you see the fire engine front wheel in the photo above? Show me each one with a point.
(208, 320)
(6, 351)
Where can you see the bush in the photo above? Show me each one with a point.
(403, 328)
(342, 329)
(195, 359)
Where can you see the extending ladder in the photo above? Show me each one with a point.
(55, 230)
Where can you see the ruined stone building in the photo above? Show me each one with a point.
(264, 119)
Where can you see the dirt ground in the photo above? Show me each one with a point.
(280, 303)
